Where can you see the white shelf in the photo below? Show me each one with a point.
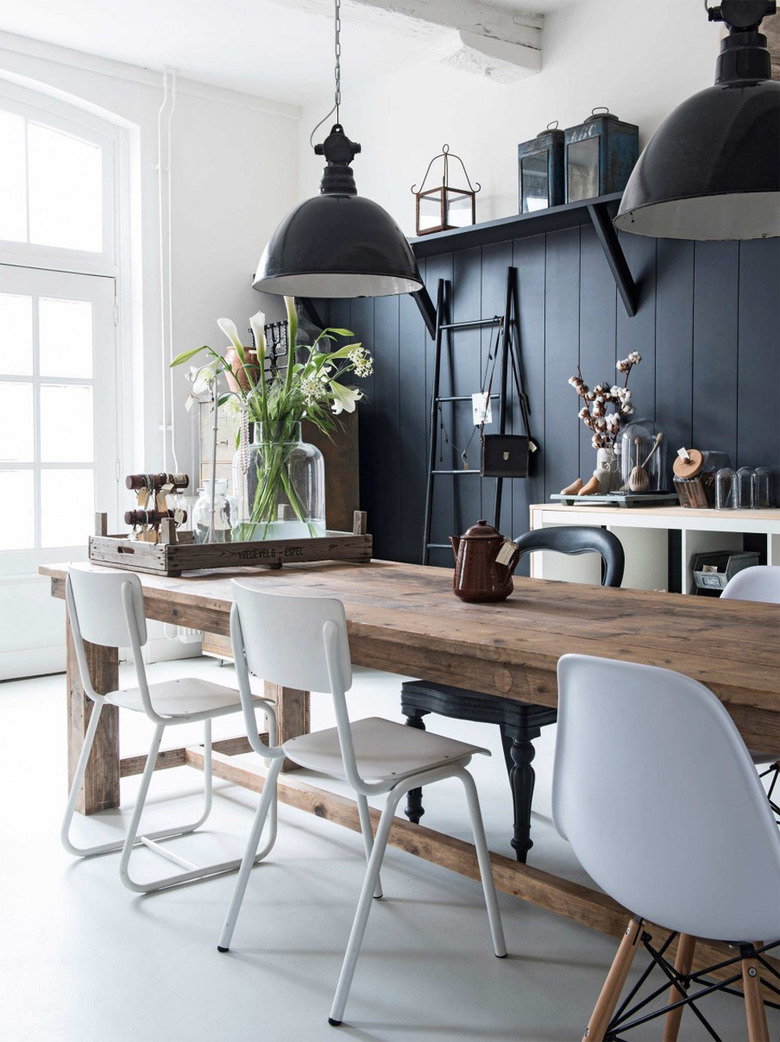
(643, 532)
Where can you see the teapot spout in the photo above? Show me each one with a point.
(455, 542)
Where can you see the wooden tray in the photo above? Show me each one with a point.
(185, 555)
(619, 499)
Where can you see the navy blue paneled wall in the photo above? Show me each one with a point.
(708, 330)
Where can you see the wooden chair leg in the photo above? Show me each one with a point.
(414, 809)
(683, 961)
(758, 1030)
(613, 985)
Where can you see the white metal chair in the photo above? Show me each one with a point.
(759, 583)
(107, 608)
(643, 757)
(301, 642)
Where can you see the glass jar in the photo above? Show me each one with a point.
(219, 530)
(724, 489)
(642, 457)
(743, 489)
(762, 488)
(279, 483)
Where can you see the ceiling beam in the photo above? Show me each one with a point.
(471, 35)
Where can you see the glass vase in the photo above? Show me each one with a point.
(216, 527)
(279, 485)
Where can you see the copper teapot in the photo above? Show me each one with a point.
(484, 562)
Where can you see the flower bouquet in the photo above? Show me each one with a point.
(278, 479)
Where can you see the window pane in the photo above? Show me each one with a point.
(13, 187)
(66, 424)
(17, 443)
(65, 184)
(67, 507)
(16, 334)
(65, 336)
(17, 526)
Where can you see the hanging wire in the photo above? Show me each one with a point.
(336, 72)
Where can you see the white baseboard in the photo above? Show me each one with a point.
(32, 662)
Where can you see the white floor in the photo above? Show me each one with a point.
(83, 959)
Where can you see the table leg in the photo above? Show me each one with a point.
(100, 789)
(292, 714)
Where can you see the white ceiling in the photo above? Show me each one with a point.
(262, 47)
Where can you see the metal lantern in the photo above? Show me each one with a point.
(540, 171)
(444, 207)
(600, 155)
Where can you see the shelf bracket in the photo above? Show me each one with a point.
(616, 259)
(423, 301)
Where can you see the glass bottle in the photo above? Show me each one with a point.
(743, 485)
(724, 489)
(224, 513)
(762, 488)
(279, 482)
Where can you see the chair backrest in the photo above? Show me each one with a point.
(99, 605)
(759, 583)
(579, 539)
(283, 638)
(658, 796)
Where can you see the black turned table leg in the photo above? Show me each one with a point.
(414, 808)
(522, 778)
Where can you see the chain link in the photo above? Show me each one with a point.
(338, 59)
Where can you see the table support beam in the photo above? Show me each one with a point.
(100, 789)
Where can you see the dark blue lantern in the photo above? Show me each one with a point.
(540, 171)
(600, 155)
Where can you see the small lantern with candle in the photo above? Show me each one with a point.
(442, 208)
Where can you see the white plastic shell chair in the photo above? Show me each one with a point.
(301, 642)
(107, 608)
(657, 794)
(759, 583)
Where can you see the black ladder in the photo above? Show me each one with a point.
(443, 326)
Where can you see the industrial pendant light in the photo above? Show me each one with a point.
(712, 169)
(337, 244)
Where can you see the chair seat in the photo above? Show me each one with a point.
(189, 698)
(385, 751)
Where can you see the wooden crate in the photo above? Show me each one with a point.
(185, 555)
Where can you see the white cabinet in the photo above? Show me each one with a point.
(644, 533)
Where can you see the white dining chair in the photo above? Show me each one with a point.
(657, 794)
(759, 583)
(107, 608)
(301, 642)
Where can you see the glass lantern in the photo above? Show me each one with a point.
(444, 207)
(601, 152)
(643, 457)
(540, 171)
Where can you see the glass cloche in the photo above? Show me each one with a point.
(643, 457)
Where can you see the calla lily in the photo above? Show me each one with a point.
(257, 322)
(345, 399)
(202, 379)
(292, 319)
(228, 327)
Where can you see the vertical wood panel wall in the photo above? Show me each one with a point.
(708, 329)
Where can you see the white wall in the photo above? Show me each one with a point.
(639, 58)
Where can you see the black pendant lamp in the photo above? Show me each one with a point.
(712, 169)
(338, 244)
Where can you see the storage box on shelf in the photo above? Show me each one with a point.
(645, 537)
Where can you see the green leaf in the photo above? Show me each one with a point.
(185, 356)
(339, 332)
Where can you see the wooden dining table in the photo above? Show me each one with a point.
(404, 619)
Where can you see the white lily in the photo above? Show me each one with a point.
(228, 327)
(345, 399)
(257, 322)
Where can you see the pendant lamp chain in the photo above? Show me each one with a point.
(338, 60)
